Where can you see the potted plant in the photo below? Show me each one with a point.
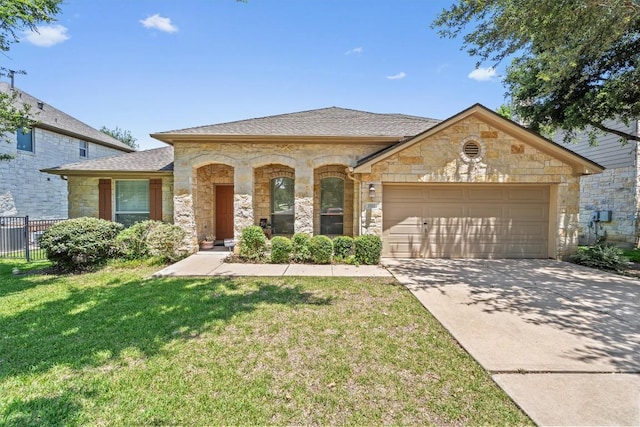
(207, 242)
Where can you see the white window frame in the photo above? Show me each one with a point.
(33, 141)
(84, 148)
(116, 212)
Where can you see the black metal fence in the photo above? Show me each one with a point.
(20, 237)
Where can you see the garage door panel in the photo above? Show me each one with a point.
(483, 221)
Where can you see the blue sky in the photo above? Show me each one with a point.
(150, 66)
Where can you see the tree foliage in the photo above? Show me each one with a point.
(121, 135)
(573, 64)
(17, 16)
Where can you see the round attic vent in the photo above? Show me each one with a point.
(471, 149)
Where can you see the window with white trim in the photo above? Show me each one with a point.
(132, 201)
(84, 149)
(25, 140)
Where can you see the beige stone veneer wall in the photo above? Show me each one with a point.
(245, 158)
(503, 159)
(83, 196)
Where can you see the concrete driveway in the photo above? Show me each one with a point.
(562, 340)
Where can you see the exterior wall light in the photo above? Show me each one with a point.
(372, 191)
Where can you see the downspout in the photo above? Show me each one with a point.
(356, 200)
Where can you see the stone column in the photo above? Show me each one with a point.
(183, 209)
(371, 216)
(242, 199)
(303, 221)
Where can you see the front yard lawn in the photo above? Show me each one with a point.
(115, 348)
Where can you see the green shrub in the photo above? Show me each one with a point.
(132, 242)
(368, 249)
(603, 256)
(343, 247)
(321, 248)
(300, 251)
(281, 248)
(253, 243)
(76, 244)
(165, 240)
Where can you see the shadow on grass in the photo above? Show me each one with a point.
(93, 325)
(42, 411)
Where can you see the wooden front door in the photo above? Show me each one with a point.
(224, 212)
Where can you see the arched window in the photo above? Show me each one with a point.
(332, 206)
(282, 205)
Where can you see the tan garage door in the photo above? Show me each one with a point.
(466, 221)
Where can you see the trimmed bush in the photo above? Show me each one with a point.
(321, 248)
(165, 240)
(604, 256)
(253, 243)
(300, 243)
(281, 248)
(132, 242)
(343, 247)
(76, 244)
(368, 249)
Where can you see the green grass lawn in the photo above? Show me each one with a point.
(116, 348)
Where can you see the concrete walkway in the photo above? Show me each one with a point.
(562, 340)
(212, 263)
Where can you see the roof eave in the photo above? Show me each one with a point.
(83, 137)
(305, 139)
(104, 172)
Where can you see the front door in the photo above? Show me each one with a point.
(224, 212)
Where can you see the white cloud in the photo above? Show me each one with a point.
(355, 51)
(399, 76)
(47, 35)
(159, 23)
(483, 74)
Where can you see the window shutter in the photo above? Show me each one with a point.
(104, 199)
(155, 199)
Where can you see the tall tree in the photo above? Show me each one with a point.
(121, 135)
(573, 63)
(17, 16)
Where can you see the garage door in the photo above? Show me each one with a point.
(466, 221)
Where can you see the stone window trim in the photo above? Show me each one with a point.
(281, 174)
(340, 175)
(462, 146)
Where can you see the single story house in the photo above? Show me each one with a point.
(473, 185)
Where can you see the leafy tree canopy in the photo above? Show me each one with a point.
(121, 135)
(17, 16)
(573, 63)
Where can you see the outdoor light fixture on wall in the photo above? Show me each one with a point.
(372, 191)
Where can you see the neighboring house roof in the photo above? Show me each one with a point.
(581, 164)
(324, 122)
(158, 160)
(50, 118)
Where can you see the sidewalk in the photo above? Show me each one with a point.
(212, 264)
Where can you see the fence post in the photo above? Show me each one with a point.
(27, 239)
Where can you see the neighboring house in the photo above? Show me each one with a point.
(57, 138)
(617, 190)
(474, 185)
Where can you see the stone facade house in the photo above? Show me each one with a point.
(57, 138)
(616, 190)
(474, 185)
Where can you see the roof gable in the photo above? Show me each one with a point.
(49, 117)
(325, 122)
(580, 164)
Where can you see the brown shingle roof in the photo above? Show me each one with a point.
(156, 160)
(331, 121)
(49, 117)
